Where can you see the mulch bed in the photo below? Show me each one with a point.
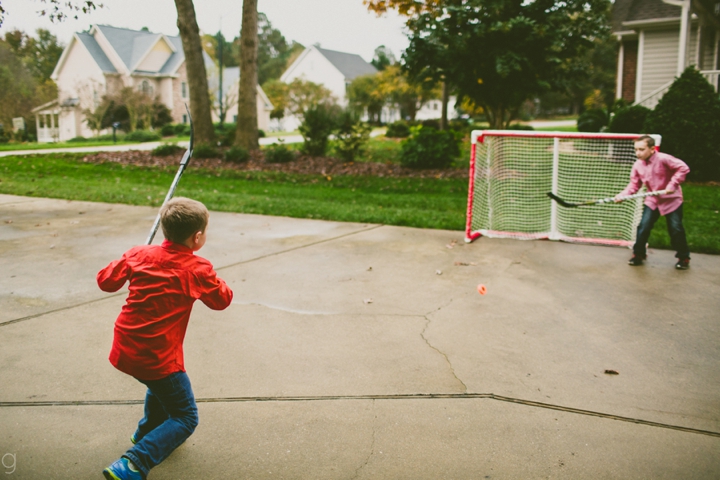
(325, 166)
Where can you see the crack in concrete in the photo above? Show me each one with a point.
(447, 359)
(390, 397)
(372, 446)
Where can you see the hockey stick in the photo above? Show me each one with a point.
(183, 164)
(604, 200)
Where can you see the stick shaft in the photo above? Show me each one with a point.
(183, 163)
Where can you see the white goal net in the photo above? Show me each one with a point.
(511, 173)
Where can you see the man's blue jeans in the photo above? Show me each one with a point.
(675, 230)
(170, 418)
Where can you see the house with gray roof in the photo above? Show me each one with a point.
(103, 61)
(658, 40)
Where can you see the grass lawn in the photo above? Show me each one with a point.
(426, 203)
(415, 202)
(6, 147)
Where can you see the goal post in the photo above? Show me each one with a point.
(511, 172)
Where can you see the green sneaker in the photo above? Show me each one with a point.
(120, 470)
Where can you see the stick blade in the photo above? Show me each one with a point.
(560, 201)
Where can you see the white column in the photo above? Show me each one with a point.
(640, 55)
(684, 30)
(621, 61)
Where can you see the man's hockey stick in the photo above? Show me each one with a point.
(604, 200)
(183, 164)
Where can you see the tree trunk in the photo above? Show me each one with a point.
(196, 74)
(445, 100)
(247, 121)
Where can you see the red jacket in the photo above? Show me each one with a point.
(165, 280)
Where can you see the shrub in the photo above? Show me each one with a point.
(351, 136)
(261, 133)
(167, 149)
(592, 120)
(108, 137)
(432, 123)
(278, 153)
(399, 129)
(318, 123)
(206, 150)
(142, 136)
(629, 119)
(225, 137)
(167, 130)
(182, 129)
(688, 118)
(77, 140)
(237, 154)
(429, 148)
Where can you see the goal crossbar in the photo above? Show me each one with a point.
(512, 171)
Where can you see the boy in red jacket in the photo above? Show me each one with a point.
(165, 280)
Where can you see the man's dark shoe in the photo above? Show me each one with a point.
(683, 264)
(636, 261)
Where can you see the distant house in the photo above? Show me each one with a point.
(231, 91)
(333, 70)
(658, 40)
(104, 60)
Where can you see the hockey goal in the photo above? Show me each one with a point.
(511, 173)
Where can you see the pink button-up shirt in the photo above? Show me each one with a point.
(660, 172)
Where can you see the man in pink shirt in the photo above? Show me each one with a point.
(658, 171)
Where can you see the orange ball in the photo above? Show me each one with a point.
(481, 289)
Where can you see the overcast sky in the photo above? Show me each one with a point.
(343, 25)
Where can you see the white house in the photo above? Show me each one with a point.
(101, 62)
(658, 40)
(333, 70)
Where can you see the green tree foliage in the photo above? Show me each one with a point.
(688, 118)
(274, 52)
(296, 97)
(499, 53)
(383, 58)
(365, 94)
(25, 67)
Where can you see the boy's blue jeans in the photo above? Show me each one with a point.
(170, 418)
(675, 230)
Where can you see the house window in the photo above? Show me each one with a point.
(56, 120)
(234, 118)
(41, 119)
(183, 88)
(146, 88)
(184, 118)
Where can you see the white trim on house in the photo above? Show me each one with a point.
(150, 50)
(619, 80)
(63, 57)
(109, 50)
(639, 65)
(288, 73)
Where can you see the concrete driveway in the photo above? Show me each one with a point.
(364, 351)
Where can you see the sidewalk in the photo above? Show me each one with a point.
(360, 351)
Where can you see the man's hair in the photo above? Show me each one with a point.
(183, 217)
(650, 141)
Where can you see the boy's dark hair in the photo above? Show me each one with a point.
(182, 217)
(650, 141)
